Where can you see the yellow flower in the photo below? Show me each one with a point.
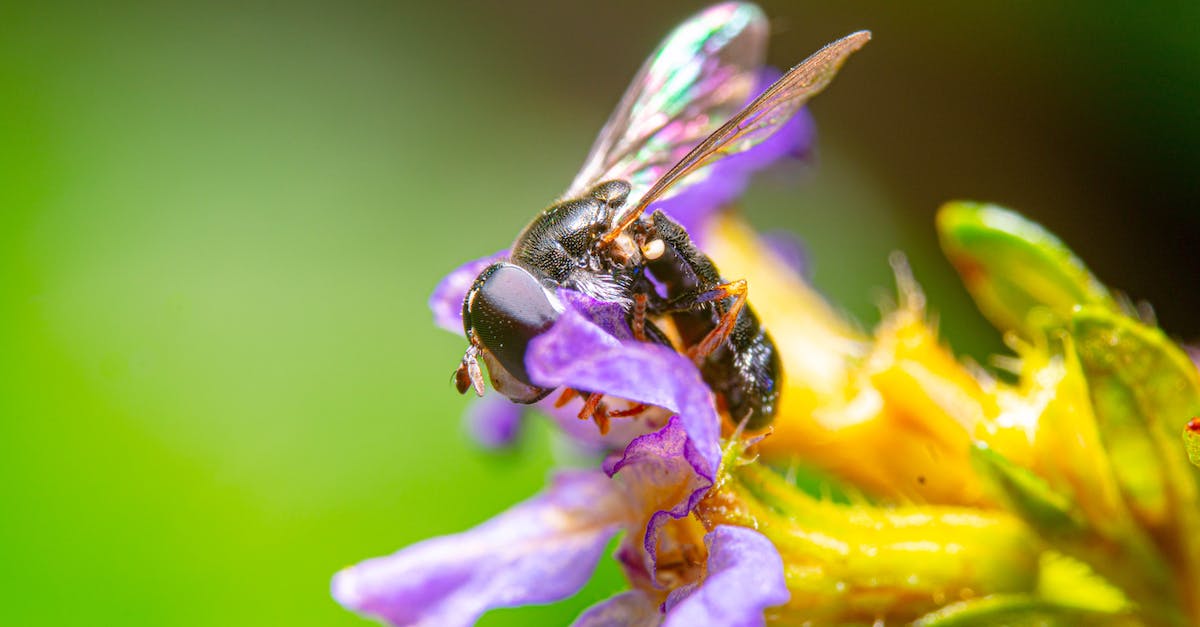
(893, 415)
(1061, 495)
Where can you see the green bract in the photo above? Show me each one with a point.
(1021, 276)
(1128, 505)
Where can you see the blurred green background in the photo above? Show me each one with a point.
(219, 224)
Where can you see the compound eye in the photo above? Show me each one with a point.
(505, 383)
(506, 310)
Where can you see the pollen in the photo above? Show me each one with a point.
(654, 249)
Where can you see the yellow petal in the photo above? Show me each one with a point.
(894, 417)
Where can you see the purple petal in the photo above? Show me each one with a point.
(610, 317)
(607, 315)
(628, 609)
(654, 466)
(447, 298)
(790, 250)
(493, 421)
(578, 354)
(539, 551)
(727, 178)
(744, 577)
(632, 559)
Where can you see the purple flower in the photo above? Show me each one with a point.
(447, 299)
(628, 609)
(577, 353)
(590, 347)
(744, 577)
(539, 551)
(571, 354)
(546, 548)
(650, 462)
(790, 250)
(493, 421)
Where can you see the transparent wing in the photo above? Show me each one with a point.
(701, 74)
(755, 123)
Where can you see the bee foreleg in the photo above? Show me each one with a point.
(468, 375)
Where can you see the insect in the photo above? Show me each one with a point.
(598, 239)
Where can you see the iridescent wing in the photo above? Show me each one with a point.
(755, 123)
(701, 74)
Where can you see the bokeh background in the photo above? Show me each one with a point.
(219, 223)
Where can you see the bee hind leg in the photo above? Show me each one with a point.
(715, 338)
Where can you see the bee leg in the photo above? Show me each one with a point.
(593, 410)
(720, 333)
(601, 419)
(639, 317)
(468, 373)
(631, 411)
(591, 406)
(566, 397)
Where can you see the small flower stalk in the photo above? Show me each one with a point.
(897, 483)
(855, 563)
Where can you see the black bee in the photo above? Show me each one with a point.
(598, 240)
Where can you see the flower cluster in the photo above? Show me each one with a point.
(1053, 490)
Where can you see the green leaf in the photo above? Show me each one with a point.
(1020, 275)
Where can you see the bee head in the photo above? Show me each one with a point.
(503, 311)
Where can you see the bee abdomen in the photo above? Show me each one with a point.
(746, 374)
